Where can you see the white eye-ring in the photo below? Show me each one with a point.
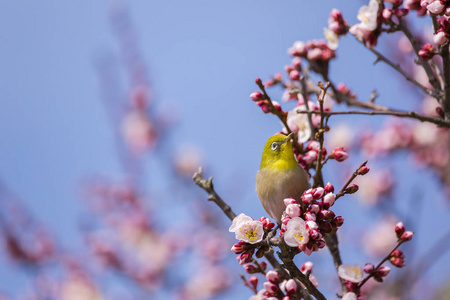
(274, 146)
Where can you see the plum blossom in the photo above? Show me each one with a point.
(332, 39)
(368, 16)
(352, 273)
(299, 123)
(247, 229)
(296, 233)
(258, 296)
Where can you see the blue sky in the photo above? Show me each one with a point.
(202, 57)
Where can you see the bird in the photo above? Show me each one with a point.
(279, 176)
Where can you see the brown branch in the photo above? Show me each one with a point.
(381, 57)
(426, 66)
(401, 114)
(208, 186)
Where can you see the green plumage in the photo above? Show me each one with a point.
(279, 176)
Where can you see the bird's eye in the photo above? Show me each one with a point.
(274, 146)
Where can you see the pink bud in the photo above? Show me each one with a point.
(251, 269)
(264, 106)
(351, 189)
(277, 106)
(368, 268)
(293, 210)
(238, 248)
(363, 170)
(310, 216)
(338, 221)
(317, 193)
(399, 229)
(244, 258)
(258, 81)
(257, 96)
(311, 225)
(436, 7)
(329, 188)
(314, 234)
(270, 287)
(315, 208)
(329, 199)
(440, 38)
(273, 276)
(398, 253)
(286, 298)
(297, 62)
(383, 271)
(307, 199)
(427, 52)
(397, 262)
(294, 75)
(253, 280)
(387, 14)
(291, 287)
(288, 201)
(407, 236)
(285, 220)
(307, 267)
(320, 244)
(339, 154)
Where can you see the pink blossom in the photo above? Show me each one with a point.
(299, 124)
(349, 296)
(296, 233)
(298, 49)
(307, 267)
(440, 38)
(436, 7)
(329, 199)
(352, 273)
(273, 276)
(247, 229)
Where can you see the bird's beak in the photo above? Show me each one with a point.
(289, 137)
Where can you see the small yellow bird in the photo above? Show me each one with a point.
(279, 176)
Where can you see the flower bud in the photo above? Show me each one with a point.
(270, 287)
(339, 154)
(273, 276)
(351, 189)
(239, 247)
(407, 236)
(293, 210)
(317, 193)
(258, 81)
(307, 198)
(383, 271)
(399, 229)
(288, 201)
(251, 269)
(400, 12)
(297, 62)
(368, 268)
(398, 253)
(257, 96)
(329, 188)
(427, 52)
(329, 199)
(286, 298)
(397, 262)
(338, 221)
(315, 208)
(285, 220)
(245, 257)
(291, 287)
(267, 224)
(314, 234)
(253, 281)
(310, 216)
(294, 75)
(363, 170)
(320, 244)
(387, 14)
(311, 225)
(307, 267)
(440, 38)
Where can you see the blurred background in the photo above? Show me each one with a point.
(108, 107)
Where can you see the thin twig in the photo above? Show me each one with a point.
(349, 181)
(402, 114)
